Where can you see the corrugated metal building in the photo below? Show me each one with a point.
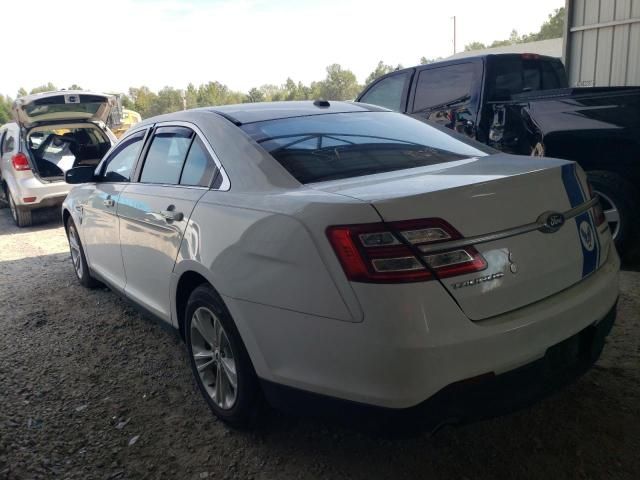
(602, 42)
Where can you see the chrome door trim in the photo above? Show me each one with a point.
(511, 232)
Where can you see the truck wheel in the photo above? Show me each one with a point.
(620, 203)
(21, 216)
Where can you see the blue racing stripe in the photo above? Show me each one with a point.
(587, 232)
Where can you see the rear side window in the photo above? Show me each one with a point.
(121, 162)
(443, 85)
(387, 92)
(9, 143)
(513, 75)
(166, 155)
(328, 147)
(199, 168)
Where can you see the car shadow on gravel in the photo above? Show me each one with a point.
(43, 219)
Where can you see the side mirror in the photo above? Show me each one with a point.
(80, 175)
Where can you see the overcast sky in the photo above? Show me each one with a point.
(112, 45)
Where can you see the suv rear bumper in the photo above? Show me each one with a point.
(47, 194)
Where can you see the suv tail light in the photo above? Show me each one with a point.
(372, 253)
(20, 162)
(598, 213)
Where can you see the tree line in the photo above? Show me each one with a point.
(338, 84)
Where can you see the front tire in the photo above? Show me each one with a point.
(21, 216)
(620, 204)
(78, 258)
(219, 359)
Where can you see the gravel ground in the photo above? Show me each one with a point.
(91, 389)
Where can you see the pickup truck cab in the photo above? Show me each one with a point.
(522, 104)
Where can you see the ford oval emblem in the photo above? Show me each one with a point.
(551, 222)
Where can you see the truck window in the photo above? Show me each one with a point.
(387, 92)
(441, 85)
(513, 75)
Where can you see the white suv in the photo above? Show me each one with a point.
(52, 133)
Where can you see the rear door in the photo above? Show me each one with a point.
(178, 169)
(100, 223)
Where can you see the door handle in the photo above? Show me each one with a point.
(109, 202)
(170, 214)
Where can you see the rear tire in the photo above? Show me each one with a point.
(620, 203)
(78, 258)
(21, 216)
(218, 360)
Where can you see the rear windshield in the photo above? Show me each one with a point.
(514, 75)
(328, 147)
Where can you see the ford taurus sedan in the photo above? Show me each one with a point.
(342, 251)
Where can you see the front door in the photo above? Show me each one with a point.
(100, 223)
(155, 211)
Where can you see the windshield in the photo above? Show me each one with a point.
(333, 146)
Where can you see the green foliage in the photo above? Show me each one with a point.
(22, 92)
(552, 28)
(5, 109)
(49, 87)
(427, 61)
(379, 71)
(340, 84)
(75, 86)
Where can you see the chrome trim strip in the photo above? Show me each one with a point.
(511, 232)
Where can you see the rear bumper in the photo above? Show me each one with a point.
(474, 398)
(415, 344)
(46, 194)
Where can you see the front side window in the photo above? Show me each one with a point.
(328, 147)
(121, 162)
(443, 86)
(387, 92)
(166, 155)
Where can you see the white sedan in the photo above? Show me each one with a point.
(329, 249)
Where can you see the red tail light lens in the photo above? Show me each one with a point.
(372, 252)
(598, 213)
(20, 162)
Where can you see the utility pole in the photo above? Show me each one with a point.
(454, 34)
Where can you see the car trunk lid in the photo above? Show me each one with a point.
(52, 107)
(501, 201)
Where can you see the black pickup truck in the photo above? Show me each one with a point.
(522, 104)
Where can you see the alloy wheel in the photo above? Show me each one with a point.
(214, 358)
(76, 256)
(611, 214)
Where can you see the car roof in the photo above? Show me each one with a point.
(243, 113)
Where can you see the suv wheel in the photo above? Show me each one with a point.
(219, 360)
(22, 216)
(620, 204)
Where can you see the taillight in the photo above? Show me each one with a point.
(598, 213)
(20, 162)
(372, 252)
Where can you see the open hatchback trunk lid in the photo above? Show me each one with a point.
(69, 105)
(527, 226)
